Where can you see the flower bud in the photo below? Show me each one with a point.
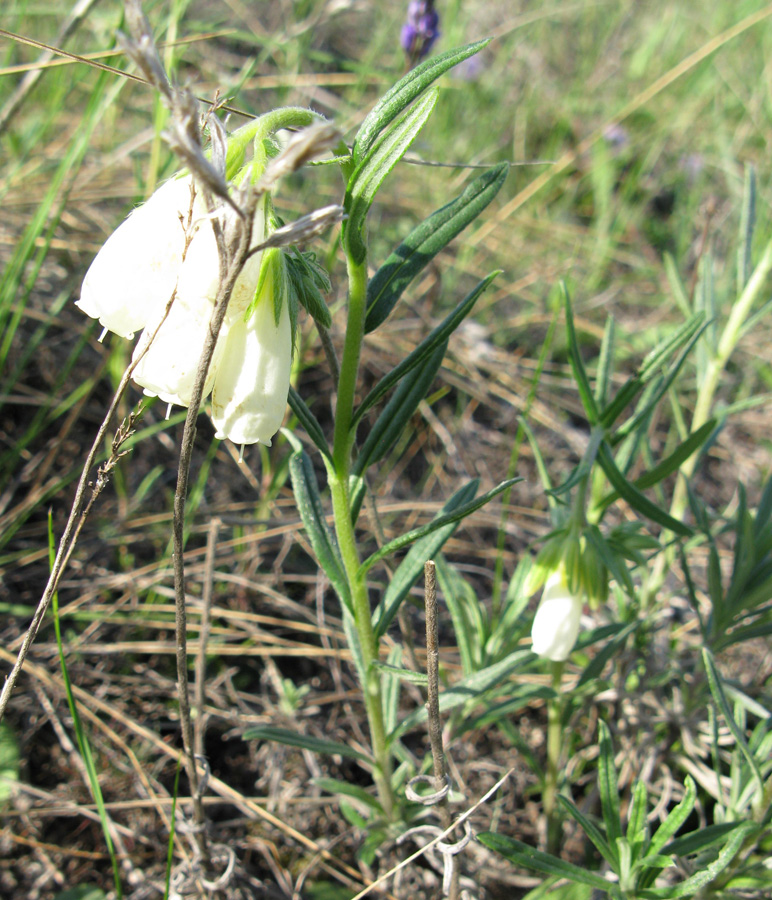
(556, 624)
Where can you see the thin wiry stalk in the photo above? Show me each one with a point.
(203, 639)
(81, 507)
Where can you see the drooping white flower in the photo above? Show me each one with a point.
(136, 270)
(150, 258)
(556, 624)
(253, 376)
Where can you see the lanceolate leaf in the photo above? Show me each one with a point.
(363, 185)
(430, 343)
(635, 498)
(577, 365)
(525, 855)
(467, 689)
(404, 402)
(706, 874)
(308, 420)
(413, 564)
(293, 739)
(440, 522)
(425, 242)
(309, 505)
(608, 789)
(717, 690)
(404, 92)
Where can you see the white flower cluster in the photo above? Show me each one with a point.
(149, 258)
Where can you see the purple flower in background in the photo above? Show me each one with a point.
(420, 30)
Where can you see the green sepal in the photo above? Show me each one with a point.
(307, 280)
(425, 242)
(404, 92)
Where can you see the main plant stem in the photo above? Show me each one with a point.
(343, 442)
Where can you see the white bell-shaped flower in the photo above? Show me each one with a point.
(556, 624)
(137, 268)
(150, 259)
(253, 376)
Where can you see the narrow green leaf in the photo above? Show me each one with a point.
(467, 689)
(384, 154)
(677, 287)
(747, 224)
(635, 498)
(308, 420)
(425, 242)
(396, 672)
(429, 344)
(346, 789)
(663, 384)
(672, 824)
(391, 686)
(636, 819)
(502, 713)
(717, 690)
(708, 873)
(577, 364)
(440, 522)
(456, 591)
(675, 460)
(686, 334)
(81, 892)
(9, 763)
(606, 652)
(393, 420)
(306, 742)
(404, 92)
(524, 855)
(309, 503)
(697, 842)
(608, 788)
(413, 564)
(605, 363)
(590, 829)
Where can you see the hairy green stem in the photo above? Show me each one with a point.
(343, 441)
